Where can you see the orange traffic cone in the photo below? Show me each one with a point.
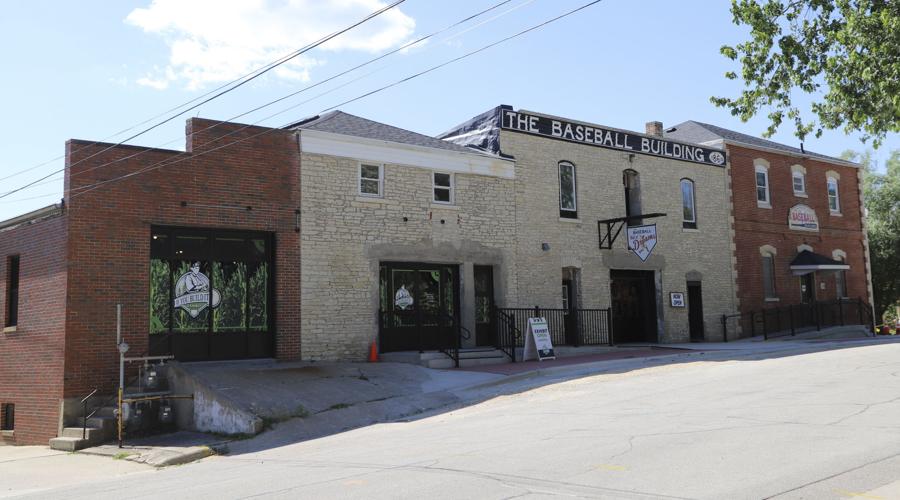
(373, 353)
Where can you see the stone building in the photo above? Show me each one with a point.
(397, 228)
(571, 178)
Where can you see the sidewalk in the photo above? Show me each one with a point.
(533, 365)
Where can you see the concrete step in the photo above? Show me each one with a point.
(90, 433)
(446, 362)
(68, 444)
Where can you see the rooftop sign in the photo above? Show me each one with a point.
(608, 138)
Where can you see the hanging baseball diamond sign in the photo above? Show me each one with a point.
(642, 240)
(608, 138)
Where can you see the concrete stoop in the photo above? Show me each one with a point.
(468, 357)
(100, 429)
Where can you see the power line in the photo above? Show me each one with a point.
(163, 163)
(223, 92)
(292, 94)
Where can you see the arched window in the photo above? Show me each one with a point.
(767, 253)
(840, 277)
(632, 182)
(798, 180)
(834, 197)
(688, 205)
(568, 193)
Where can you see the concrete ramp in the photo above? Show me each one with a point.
(245, 397)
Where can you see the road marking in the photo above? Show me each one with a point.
(859, 495)
(612, 467)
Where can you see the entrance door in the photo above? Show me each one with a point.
(695, 311)
(568, 293)
(485, 334)
(808, 288)
(633, 306)
(419, 306)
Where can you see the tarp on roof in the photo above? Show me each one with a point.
(481, 132)
(809, 262)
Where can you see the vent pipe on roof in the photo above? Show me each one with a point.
(654, 128)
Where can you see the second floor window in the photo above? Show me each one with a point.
(632, 182)
(371, 180)
(762, 186)
(12, 291)
(568, 202)
(799, 182)
(443, 188)
(688, 208)
(834, 201)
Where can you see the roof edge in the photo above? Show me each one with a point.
(33, 216)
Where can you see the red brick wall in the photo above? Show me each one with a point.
(755, 227)
(109, 244)
(31, 358)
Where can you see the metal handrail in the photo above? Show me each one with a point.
(510, 321)
(84, 415)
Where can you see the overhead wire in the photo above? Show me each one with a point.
(283, 60)
(292, 94)
(164, 163)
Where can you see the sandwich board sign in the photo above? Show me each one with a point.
(538, 344)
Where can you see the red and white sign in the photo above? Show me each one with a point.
(803, 218)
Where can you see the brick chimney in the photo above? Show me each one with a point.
(654, 128)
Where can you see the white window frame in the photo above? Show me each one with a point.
(762, 169)
(692, 223)
(360, 178)
(451, 188)
(802, 177)
(559, 168)
(837, 194)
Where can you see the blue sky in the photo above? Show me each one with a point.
(89, 69)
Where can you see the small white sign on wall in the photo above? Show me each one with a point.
(676, 299)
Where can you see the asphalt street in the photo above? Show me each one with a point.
(817, 425)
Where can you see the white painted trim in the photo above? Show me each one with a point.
(822, 267)
(451, 188)
(360, 178)
(373, 150)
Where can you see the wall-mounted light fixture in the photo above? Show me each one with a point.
(545, 247)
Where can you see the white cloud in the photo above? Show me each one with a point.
(214, 41)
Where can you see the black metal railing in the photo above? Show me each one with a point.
(572, 327)
(793, 319)
(508, 334)
(594, 327)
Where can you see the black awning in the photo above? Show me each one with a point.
(809, 262)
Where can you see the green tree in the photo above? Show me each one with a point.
(882, 198)
(845, 53)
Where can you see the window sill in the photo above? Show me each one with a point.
(835, 214)
(8, 434)
(764, 205)
(570, 221)
(771, 299)
(444, 206)
(690, 230)
(9, 329)
(801, 195)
